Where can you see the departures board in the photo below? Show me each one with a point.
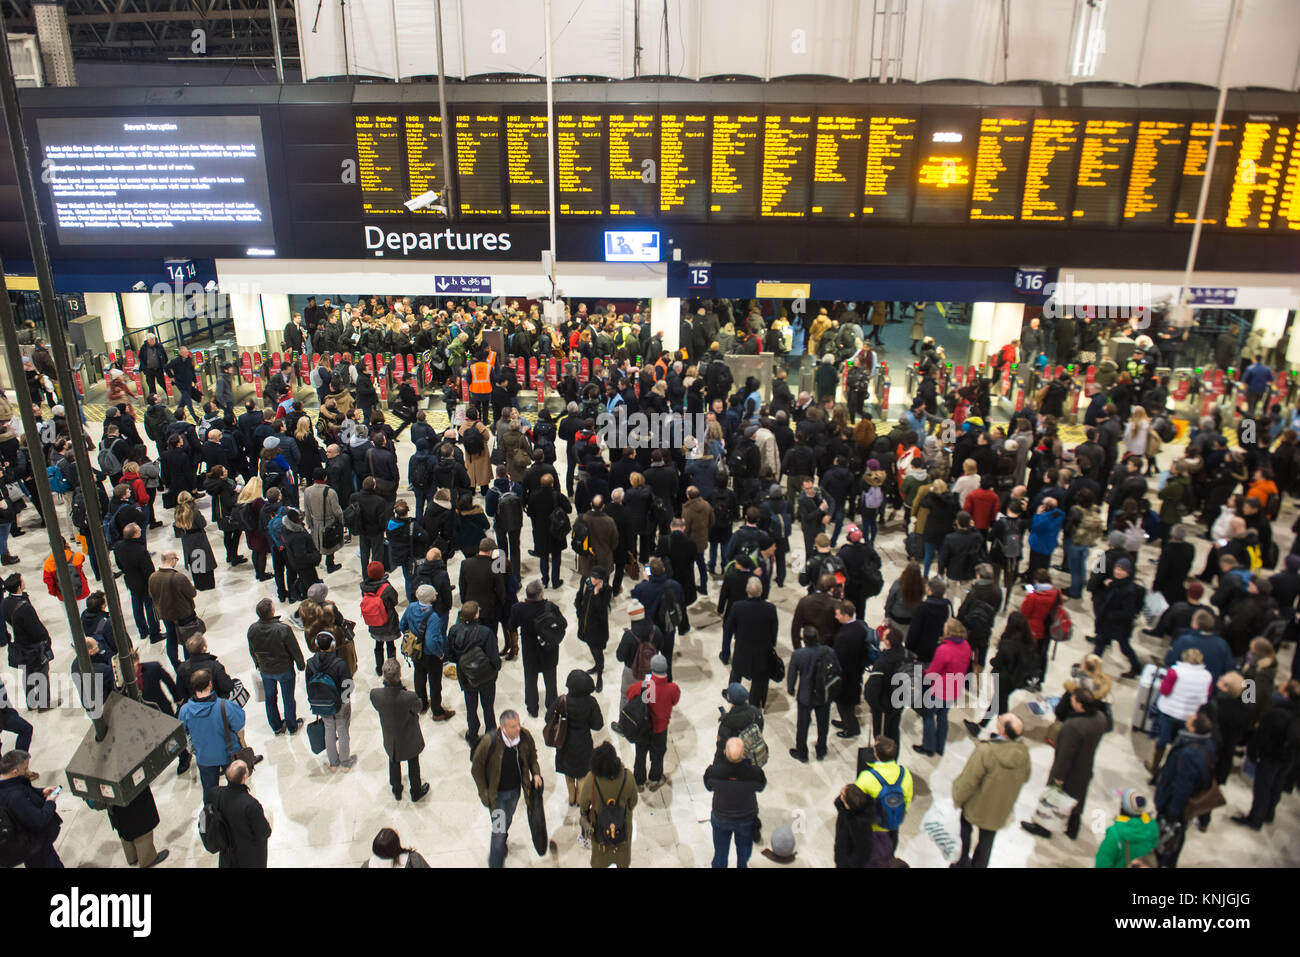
(943, 166)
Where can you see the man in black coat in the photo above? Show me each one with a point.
(29, 644)
(199, 658)
(32, 812)
(926, 629)
(850, 646)
(374, 511)
(963, 549)
(135, 563)
(540, 657)
(1119, 602)
(481, 582)
(753, 622)
(338, 473)
(245, 820)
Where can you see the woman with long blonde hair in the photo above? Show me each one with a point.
(191, 528)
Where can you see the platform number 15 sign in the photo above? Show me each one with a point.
(701, 276)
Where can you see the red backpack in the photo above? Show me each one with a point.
(1059, 625)
(373, 610)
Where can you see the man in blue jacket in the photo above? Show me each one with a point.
(422, 619)
(215, 725)
(1187, 771)
(650, 594)
(1256, 378)
(1044, 534)
(1212, 646)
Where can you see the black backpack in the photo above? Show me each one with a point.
(214, 829)
(550, 626)
(421, 475)
(738, 462)
(558, 524)
(827, 676)
(611, 819)
(15, 843)
(979, 620)
(671, 614)
(241, 518)
(634, 720)
(874, 581)
(581, 534)
(472, 662)
(472, 440)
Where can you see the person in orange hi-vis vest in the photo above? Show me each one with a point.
(75, 560)
(480, 386)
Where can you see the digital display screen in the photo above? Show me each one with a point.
(736, 146)
(146, 180)
(526, 144)
(787, 156)
(379, 163)
(999, 167)
(1256, 182)
(1289, 204)
(424, 156)
(684, 165)
(891, 156)
(837, 166)
(1194, 161)
(945, 158)
(1153, 177)
(580, 169)
(1049, 175)
(632, 152)
(1103, 164)
(631, 246)
(478, 164)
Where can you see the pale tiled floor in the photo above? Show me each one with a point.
(323, 819)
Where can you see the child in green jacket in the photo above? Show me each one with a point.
(1133, 835)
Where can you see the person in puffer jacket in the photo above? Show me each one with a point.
(422, 620)
(1184, 691)
(944, 685)
(75, 560)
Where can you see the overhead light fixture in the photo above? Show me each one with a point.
(1089, 37)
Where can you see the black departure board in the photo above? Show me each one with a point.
(424, 156)
(1157, 162)
(1288, 213)
(684, 164)
(1103, 166)
(580, 164)
(837, 166)
(1049, 173)
(999, 166)
(1195, 158)
(890, 160)
(787, 156)
(945, 159)
(734, 169)
(1255, 189)
(380, 170)
(526, 145)
(478, 164)
(632, 174)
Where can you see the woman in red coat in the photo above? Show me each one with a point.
(1039, 605)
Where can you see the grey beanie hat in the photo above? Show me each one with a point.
(271, 442)
(318, 591)
(1115, 539)
(659, 665)
(426, 594)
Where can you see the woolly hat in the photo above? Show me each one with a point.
(271, 442)
(635, 611)
(1131, 803)
(1125, 566)
(318, 592)
(873, 464)
(426, 594)
(1115, 539)
(736, 693)
(659, 665)
(375, 571)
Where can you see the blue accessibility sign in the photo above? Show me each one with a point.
(464, 285)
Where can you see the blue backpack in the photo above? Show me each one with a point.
(323, 695)
(111, 535)
(891, 806)
(58, 483)
(275, 529)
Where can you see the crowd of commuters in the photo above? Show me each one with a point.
(1006, 533)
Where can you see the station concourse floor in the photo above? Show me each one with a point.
(329, 819)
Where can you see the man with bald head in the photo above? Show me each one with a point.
(602, 538)
(245, 818)
(986, 790)
(338, 473)
(735, 782)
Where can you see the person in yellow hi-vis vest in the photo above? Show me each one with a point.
(480, 384)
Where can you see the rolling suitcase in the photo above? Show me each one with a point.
(1148, 691)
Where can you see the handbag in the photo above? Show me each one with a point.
(556, 730)
(775, 666)
(247, 755)
(240, 694)
(1054, 809)
(1203, 802)
(316, 735)
(383, 486)
(632, 569)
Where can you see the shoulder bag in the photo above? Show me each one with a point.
(247, 755)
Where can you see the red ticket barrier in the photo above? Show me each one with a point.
(257, 383)
(368, 363)
(1218, 382)
(167, 385)
(532, 370)
(128, 361)
(464, 391)
(1207, 404)
(76, 380)
(598, 368)
(399, 365)
(383, 388)
(584, 371)
(958, 376)
(519, 369)
(305, 365)
(1020, 399)
(1074, 406)
(970, 374)
(337, 358)
(246, 367)
(1006, 379)
(552, 372)
(286, 359)
(1181, 390)
(275, 362)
